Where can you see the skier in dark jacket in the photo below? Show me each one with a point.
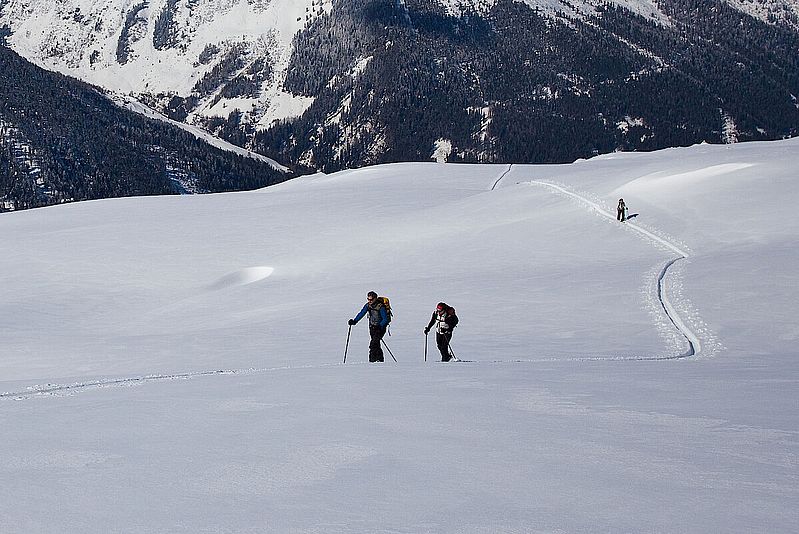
(445, 320)
(378, 321)
(621, 211)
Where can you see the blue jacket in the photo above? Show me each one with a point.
(374, 319)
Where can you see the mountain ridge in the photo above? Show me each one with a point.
(336, 84)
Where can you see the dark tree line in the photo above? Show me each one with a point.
(165, 33)
(132, 21)
(249, 82)
(513, 85)
(83, 146)
(221, 72)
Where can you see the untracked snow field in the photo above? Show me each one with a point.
(174, 364)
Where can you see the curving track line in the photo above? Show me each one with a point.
(694, 345)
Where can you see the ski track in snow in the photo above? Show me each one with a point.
(501, 176)
(56, 389)
(694, 344)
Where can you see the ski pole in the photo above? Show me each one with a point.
(451, 352)
(425, 347)
(389, 350)
(347, 346)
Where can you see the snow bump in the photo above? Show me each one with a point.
(243, 277)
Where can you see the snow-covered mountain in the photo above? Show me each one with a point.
(63, 140)
(169, 47)
(327, 84)
(174, 364)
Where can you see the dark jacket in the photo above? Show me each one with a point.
(445, 320)
(377, 313)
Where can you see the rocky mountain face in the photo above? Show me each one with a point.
(191, 59)
(328, 84)
(63, 140)
(511, 82)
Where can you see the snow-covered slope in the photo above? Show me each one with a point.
(165, 46)
(582, 409)
(199, 133)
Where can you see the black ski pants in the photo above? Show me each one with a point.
(442, 342)
(376, 333)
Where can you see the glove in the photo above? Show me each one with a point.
(426, 331)
(351, 322)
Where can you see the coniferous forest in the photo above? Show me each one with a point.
(514, 85)
(63, 140)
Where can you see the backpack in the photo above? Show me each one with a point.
(454, 315)
(387, 306)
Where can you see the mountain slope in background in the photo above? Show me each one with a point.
(62, 140)
(513, 83)
(212, 55)
(344, 83)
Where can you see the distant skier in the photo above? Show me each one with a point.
(378, 322)
(621, 211)
(445, 320)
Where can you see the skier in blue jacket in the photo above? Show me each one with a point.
(378, 322)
